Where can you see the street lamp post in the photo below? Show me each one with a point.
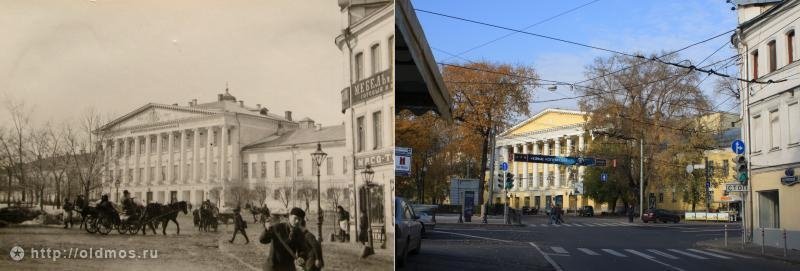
(368, 174)
(318, 157)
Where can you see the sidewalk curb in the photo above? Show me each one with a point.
(704, 244)
(480, 225)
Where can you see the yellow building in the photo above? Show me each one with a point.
(726, 128)
(550, 132)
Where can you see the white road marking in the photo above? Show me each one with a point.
(648, 257)
(547, 257)
(559, 250)
(729, 253)
(567, 225)
(612, 252)
(473, 236)
(665, 255)
(714, 230)
(709, 254)
(588, 251)
(688, 254)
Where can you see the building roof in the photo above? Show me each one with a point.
(766, 14)
(541, 113)
(300, 136)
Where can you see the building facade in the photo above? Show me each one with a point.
(767, 42)
(367, 46)
(187, 153)
(282, 166)
(554, 132)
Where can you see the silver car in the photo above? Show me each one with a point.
(408, 231)
(427, 216)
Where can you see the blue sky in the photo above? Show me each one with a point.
(624, 25)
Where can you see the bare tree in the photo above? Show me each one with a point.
(283, 194)
(85, 154)
(13, 144)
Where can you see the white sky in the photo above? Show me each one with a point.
(63, 56)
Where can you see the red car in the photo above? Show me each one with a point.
(661, 215)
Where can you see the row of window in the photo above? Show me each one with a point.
(767, 128)
(165, 146)
(375, 59)
(772, 51)
(259, 169)
(377, 132)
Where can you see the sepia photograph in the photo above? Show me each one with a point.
(197, 135)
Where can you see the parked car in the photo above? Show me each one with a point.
(662, 215)
(408, 231)
(427, 216)
(586, 211)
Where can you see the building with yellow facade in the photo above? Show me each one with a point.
(555, 132)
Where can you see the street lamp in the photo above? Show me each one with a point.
(318, 157)
(368, 174)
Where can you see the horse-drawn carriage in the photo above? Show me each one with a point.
(104, 217)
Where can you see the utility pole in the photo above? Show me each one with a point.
(708, 200)
(488, 202)
(641, 175)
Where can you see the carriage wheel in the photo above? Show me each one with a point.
(133, 229)
(104, 226)
(122, 228)
(91, 224)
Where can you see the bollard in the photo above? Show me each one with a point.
(784, 243)
(726, 235)
(762, 241)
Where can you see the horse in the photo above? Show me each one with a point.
(86, 211)
(159, 213)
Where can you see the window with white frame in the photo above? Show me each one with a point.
(361, 134)
(794, 123)
(756, 132)
(288, 164)
(277, 169)
(359, 66)
(329, 165)
(375, 57)
(344, 164)
(774, 130)
(245, 170)
(376, 130)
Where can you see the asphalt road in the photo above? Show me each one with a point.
(583, 244)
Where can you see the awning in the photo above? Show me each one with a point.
(418, 82)
(730, 198)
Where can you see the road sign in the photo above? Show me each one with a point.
(603, 177)
(708, 184)
(550, 159)
(735, 187)
(504, 166)
(599, 162)
(737, 146)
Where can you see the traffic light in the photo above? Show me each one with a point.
(741, 169)
(509, 181)
(500, 180)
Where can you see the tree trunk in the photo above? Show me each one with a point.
(482, 179)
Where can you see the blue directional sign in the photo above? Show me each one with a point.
(604, 177)
(504, 166)
(559, 160)
(708, 184)
(737, 146)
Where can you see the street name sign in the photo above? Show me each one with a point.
(559, 160)
(735, 187)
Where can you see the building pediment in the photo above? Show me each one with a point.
(547, 119)
(153, 114)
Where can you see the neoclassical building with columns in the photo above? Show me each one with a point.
(555, 132)
(165, 153)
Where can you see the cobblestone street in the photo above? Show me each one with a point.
(191, 250)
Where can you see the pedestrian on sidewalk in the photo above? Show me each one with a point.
(630, 213)
(68, 207)
(344, 224)
(551, 214)
(559, 212)
(239, 226)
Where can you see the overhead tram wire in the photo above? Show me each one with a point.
(525, 28)
(656, 59)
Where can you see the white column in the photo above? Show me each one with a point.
(535, 178)
(236, 158)
(159, 162)
(525, 179)
(195, 155)
(126, 159)
(557, 167)
(546, 168)
(209, 153)
(170, 160)
(223, 147)
(137, 151)
(146, 176)
(182, 162)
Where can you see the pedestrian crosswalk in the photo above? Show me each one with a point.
(582, 224)
(650, 253)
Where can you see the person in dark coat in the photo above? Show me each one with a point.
(311, 252)
(286, 239)
(344, 224)
(239, 226)
(630, 213)
(67, 212)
